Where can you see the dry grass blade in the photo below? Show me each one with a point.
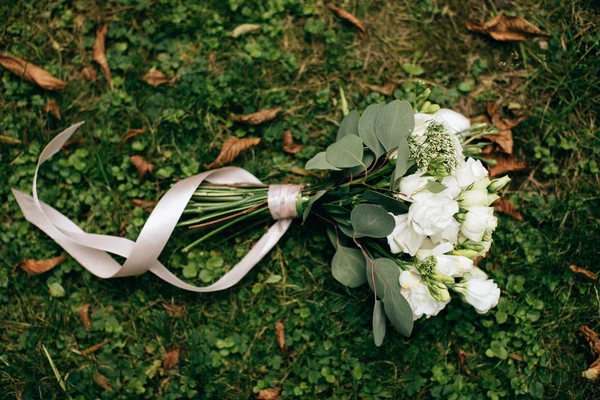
(9, 140)
(244, 29)
(269, 394)
(53, 108)
(288, 144)
(593, 371)
(84, 315)
(95, 348)
(102, 381)
(386, 90)
(32, 73)
(99, 55)
(156, 78)
(89, 73)
(171, 359)
(34, 267)
(348, 17)
(462, 358)
(131, 133)
(143, 167)
(584, 272)
(231, 149)
(506, 207)
(280, 334)
(145, 204)
(175, 311)
(506, 28)
(258, 117)
(505, 163)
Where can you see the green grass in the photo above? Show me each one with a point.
(527, 347)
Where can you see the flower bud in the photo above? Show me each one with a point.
(472, 254)
(439, 291)
(497, 184)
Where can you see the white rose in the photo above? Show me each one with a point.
(477, 221)
(417, 294)
(412, 184)
(452, 188)
(448, 235)
(404, 238)
(469, 172)
(481, 294)
(479, 197)
(431, 213)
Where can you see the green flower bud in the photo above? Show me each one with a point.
(498, 184)
(472, 254)
(439, 291)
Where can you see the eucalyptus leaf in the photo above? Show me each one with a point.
(390, 204)
(348, 126)
(345, 153)
(332, 235)
(402, 157)
(378, 323)
(398, 311)
(319, 162)
(313, 199)
(366, 129)
(435, 187)
(371, 221)
(346, 230)
(394, 122)
(368, 158)
(348, 266)
(386, 274)
(334, 209)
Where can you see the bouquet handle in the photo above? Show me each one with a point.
(92, 250)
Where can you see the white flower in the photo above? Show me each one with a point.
(449, 265)
(452, 188)
(454, 121)
(475, 273)
(412, 184)
(481, 184)
(417, 294)
(478, 197)
(477, 221)
(480, 293)
(404, 238)
(469, 172)
(448, 235)
(431, 213)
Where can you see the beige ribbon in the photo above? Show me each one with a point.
(92, 250)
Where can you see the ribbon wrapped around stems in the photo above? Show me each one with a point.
(92, 250)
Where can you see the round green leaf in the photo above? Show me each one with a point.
(378, 323)
(386, 274)
(348, 126)
(371, 221)
(392, 205)
(319, 162)
(346, 153)
(398, 311)
(348, 266)
(394, 122)
(366, 129)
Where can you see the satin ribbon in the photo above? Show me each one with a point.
(92, 250)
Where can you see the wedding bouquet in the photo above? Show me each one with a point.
(407, 211)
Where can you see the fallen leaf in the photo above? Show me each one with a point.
(386, 90)
(245, 28)
(269, 394)
(516, 357)
(84, 315)
(462, 357)
(98, 53)
(102, 381)
(348, 17)
(32, 73)
(53, 108)
(505, 163)
(131, 133)
(143, 167)
(230, 150)
(145, 204)
(506, 207)
(171, 359)
(9, 140)
(34, 267)
(89, 73)
(258, 117)
(175, 311)
(156, 78)
(95, 348)
(479, 119)
(593, 371)
(288, 144)
(303, 172)
(280, 335)
(584, 272)
(506, 28)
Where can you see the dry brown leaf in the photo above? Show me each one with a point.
(131, 133)
(280, 334)
(506, 28)
(302, 172)
(102, 381)
(171, 359)
(462, 357)
(506, 207)
(584, 272)
(258, 117)
(593, 371)
(143, 167)
(348, 17)
(156, 78)
(479, 118)
(53, 108)
(386, 90)
(34, 267)
(269, 394)
(145, 204)
(95, 348)
(230, 150)
(516, 357)
(32, 73)
(505, 163)
(89, 73)
(288, 144)
(84, 315)
(175, 311)
(98, 53)
(9, 140)
(245, 28)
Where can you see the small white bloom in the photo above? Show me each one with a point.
(481, 184)
(417, 294)
(469, 172)
(412, 184)
(431, 213)
(448, 235)
(477, 221)
(455, 121)
(481, 294)
(449, 265)
(478, 197)
(475, 273)
(404, 238)
(452, 188)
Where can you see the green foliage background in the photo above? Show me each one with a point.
(527, 347)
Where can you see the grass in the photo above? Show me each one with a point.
(527, 347)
